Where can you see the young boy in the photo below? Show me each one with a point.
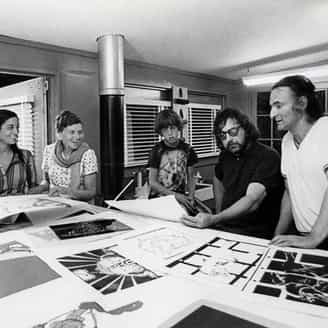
(172, 161)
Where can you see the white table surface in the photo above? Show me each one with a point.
(162, 299)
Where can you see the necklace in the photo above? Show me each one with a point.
(296, 142)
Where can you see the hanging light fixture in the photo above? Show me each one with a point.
(315, 72)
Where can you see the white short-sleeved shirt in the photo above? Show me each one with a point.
(61, 176)
(305, 169)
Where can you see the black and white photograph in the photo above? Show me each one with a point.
(180, 140)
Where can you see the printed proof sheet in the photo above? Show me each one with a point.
(20, 269)
(222, 260)
(297, 279)
(106, 270)
(76, 230)
(290, 278)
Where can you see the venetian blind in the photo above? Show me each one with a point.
(139, 132)
(200, 128)
(140, 136)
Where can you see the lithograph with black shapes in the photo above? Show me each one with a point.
(209, 317)
(88, 228)
(296, 277)
(207, 313)
(106, 270)
(222, 260)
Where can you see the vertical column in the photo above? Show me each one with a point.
(111, 92)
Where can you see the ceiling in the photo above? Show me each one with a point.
(226, 38)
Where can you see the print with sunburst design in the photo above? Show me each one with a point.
(106, 270)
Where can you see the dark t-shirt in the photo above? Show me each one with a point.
(172, 164)
(258, 163)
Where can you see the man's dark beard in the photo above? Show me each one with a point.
(242, 149)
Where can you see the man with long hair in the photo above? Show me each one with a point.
(304, 163)
(247, 183)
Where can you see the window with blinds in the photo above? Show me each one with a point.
(200, 128)
(140, 136)
(139, 129)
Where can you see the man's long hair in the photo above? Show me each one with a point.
(252, 133)
(302, 86)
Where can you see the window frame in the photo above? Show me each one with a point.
(323, 86)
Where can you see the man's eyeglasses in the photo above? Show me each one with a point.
(232, 132)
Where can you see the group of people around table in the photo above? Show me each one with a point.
(256, 193)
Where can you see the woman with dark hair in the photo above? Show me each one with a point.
(69, 165)
(17, 170)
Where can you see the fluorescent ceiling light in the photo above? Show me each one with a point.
(271, 78)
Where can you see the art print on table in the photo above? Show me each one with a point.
(210, 317)
(86, 315)
(88, 228)
(106, 270)
(164, 243)
(207, 313)
(14, 222)
(13, 249)
(20, 269)
(19, 211)
(295, 276)
(221, 261)
(11, 205)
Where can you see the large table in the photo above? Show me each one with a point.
(163, 289)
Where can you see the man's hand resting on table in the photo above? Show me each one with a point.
(201, 220)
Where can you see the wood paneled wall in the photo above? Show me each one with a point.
(73, 82)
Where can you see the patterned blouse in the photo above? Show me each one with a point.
(61, 176)
(19, 176)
